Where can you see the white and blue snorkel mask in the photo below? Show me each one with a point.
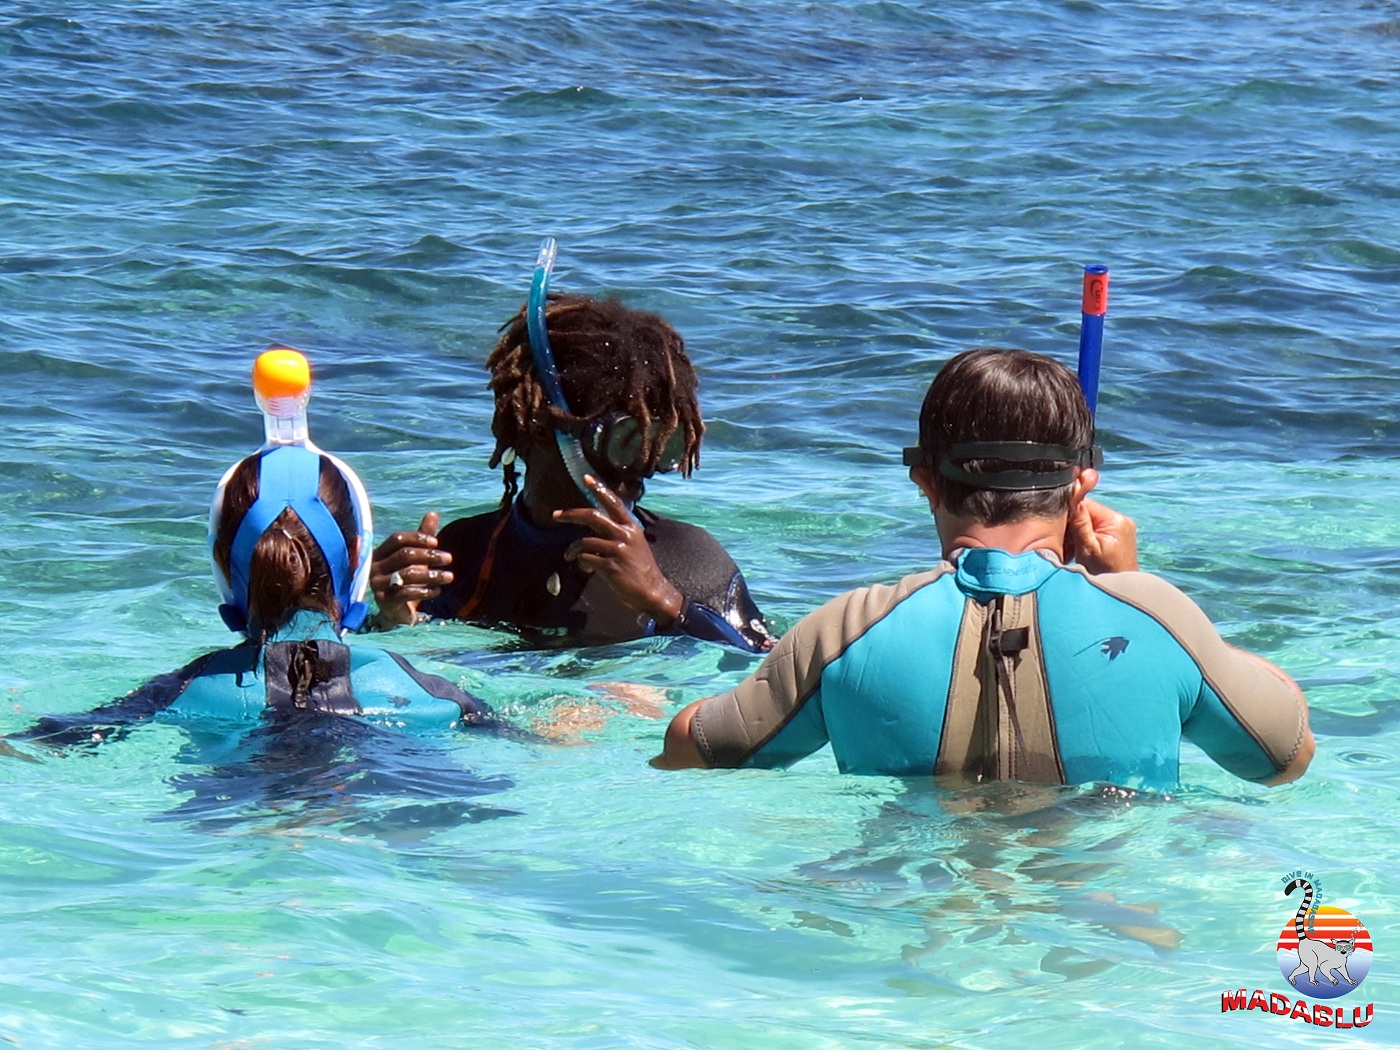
(289, 476)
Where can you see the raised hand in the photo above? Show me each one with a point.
(408, 568)
(618, 551)
(1101, 539)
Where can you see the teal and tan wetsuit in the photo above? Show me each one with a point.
(304, 668)
(1011, 667)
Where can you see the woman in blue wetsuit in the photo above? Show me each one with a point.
(290, 536)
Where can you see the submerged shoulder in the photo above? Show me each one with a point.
(378, 673)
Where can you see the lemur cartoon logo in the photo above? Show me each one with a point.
(1324, 952)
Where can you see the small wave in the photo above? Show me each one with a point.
(569, 99)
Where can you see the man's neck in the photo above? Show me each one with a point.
(1028, 534)
(540, 501)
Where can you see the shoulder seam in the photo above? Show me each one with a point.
(1205, 677)
(935, 575)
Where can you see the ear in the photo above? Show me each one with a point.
(927, 483)
(1081, 486)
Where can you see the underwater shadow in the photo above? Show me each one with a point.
(312, 769)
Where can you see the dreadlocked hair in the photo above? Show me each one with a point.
(610, 359)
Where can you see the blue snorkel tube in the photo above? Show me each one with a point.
(569, 448)
(1094, 307)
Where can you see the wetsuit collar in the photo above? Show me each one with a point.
(988, 571)
(304, 625)
(534, 535)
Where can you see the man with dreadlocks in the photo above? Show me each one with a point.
(571, 553)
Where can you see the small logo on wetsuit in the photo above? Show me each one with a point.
(1324, 952)
(1112, 648)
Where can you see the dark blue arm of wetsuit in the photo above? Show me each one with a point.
(110, 721)
(740, 624)
(475, 712)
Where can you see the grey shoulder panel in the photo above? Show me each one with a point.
(729, 728)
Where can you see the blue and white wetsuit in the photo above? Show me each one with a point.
(304, 667)
(1012, 667)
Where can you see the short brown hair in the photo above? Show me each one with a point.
(995, 394)
(287, 571)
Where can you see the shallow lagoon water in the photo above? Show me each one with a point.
(827, 200)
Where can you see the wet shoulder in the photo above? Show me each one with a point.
(1162, 601)
(468, 537)
(685, 546)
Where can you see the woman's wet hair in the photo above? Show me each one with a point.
(287, 572)
(610, 359)
(994, 394)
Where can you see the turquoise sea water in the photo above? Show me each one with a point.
(827, 200)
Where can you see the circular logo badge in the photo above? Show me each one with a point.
(1332, 957)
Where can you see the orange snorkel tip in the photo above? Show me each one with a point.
(281, 372)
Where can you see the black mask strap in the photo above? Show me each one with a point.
(950, 464)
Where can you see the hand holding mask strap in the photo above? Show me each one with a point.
(950, 464)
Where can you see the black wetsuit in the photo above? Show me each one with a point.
(508, 570)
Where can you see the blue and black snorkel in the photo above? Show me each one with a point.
(570, 450)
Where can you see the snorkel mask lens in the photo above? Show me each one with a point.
(614, 446)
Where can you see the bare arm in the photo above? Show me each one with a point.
(679, 750)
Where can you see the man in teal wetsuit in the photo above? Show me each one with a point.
(1035, 651)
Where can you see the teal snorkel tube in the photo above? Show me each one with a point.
(1094, 307)
(569, 448)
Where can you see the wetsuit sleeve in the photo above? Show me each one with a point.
(718, 606)
(777, 714)
(475, 712)
(111, 721)
(1246, 716)
(736, 622)
(774, 717)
